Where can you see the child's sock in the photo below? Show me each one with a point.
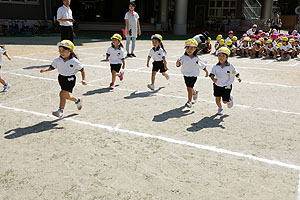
(77, 101)
(6, 84)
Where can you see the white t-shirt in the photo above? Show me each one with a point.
(244, 47)
(67, 68)
(227, 39)
(157, 55)
(2, 51)
(191, 66)
(270, 48)
(115, 55)
(132, 23)
(225, 75)
(285, 47)
(64, 13)
(250, 32)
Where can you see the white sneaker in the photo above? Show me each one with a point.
(230, 103)
(195, 96)
(79, 104)
(59, 113)
(220, 111)
(150, 86)
(189, 104)
(5, 88)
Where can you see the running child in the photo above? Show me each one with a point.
(115, 56)
(158, 54)
(223, 75)
(67, 65)
(3, 51)
(190, 68)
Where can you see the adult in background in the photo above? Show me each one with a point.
(133, 28)
(276, 22)
(65, 19)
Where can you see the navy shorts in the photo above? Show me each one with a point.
(223, 92)
(115, 67)
(67, 83)
(158, 66)
(190, 81)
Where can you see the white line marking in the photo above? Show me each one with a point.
(165, 139)
(172, 96)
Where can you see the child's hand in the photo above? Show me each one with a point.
(8, 57)
(123, 66)
(83, 82)
(148, 65)
(240, 80)
(42, 70)
(166, 68)
(178, 63)
(215, 80)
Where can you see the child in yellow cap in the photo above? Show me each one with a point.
(285, 49)
(207, 48)
(67, 65)
(5, 84)
(158, 54)
(190, 68)
(223, 75)
(115, 56)
(220, 44)
(270, 49)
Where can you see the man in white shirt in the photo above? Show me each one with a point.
(65, 19)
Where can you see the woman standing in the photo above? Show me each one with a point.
(133, 28)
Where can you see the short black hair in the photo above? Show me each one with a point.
(133, 4)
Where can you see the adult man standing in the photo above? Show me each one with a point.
(65, 19)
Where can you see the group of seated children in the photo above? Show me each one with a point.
(257, 44)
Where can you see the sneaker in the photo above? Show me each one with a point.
(167, 77)
(274, 57)
(150, 86)
(189, 104)
(132, 55)
(6, 87)
(121, 76)
(111, 85)
(230, 103)
(128, 55)
(195, 96)
(59, 113)
(220, 111)
(79, 104)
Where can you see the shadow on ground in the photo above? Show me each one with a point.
(174, 113)
(208, 122)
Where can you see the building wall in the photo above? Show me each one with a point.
(24, 11)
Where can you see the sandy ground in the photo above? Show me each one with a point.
(101, 152)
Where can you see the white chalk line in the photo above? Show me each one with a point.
(172, 74)
(171, 96)
(163, 138)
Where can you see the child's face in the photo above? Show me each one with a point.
(115, 42)
(222, 58)
(155, 43)
(269, 45)
(230, 35)
(284, 42)
(131, 7)
(190, 50)
(64, 53)
(245, 43)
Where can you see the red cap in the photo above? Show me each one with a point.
(253, 36)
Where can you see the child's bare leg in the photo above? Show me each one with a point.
(153, 77)
(191, 91)
(113, 76)
(2, 81)
(62, 102)
(218, 102)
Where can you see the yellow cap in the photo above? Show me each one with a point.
(285, 39)
(224, 50)
(262, 39)
(219, 37)
(279, 44)
(247, 39)
(234, 38)
(258, 42)
(208, 39)
(66, 43)
(157, 36)
(222, 42)
(269, 41)
(191, 43)
(292, 40)
(228, 43)
(117, 36)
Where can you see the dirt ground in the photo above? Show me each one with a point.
(111, 149)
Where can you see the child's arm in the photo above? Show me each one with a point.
(50, 68)
(83, 77)
(206, 72)
(139, 27)
(7, 56)
(212, 77)
(165, 63)
(107, 57)
(123, 63)
(148, 60)
(178, 63)
(238, 78)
